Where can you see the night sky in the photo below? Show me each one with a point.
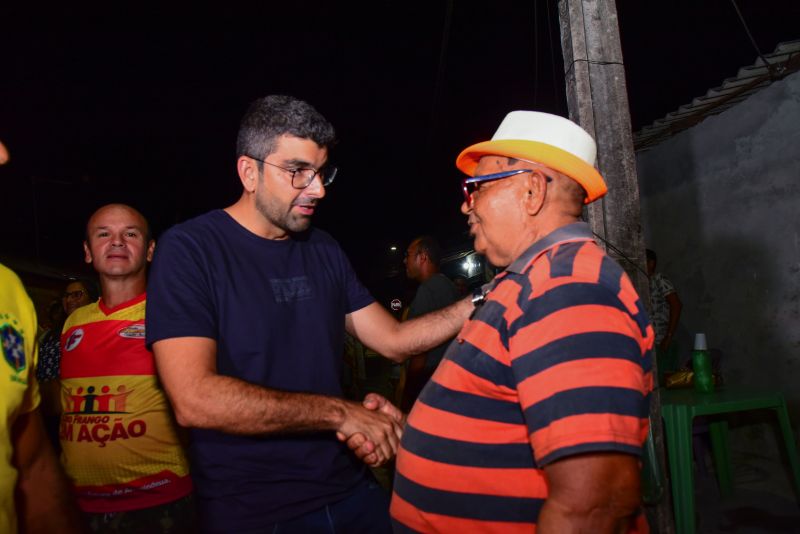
(141, 105)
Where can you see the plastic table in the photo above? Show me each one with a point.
(680, 406)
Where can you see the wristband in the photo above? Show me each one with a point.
(479, 294)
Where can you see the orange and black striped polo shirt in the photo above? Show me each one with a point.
(557, 362)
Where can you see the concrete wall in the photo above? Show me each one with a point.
(721, 207)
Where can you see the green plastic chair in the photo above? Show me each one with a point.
(680, 406)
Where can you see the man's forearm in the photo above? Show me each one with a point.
(381, 332)
(44, 499)
(48, 505)
(231, 405)
(201, 398)
(593, 492)
(560, 520)
(419, 335)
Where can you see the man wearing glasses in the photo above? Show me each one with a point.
(537, 414)
(247, 310)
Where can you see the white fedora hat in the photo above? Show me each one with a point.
(543, 138)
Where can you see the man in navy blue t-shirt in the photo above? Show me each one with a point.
(246, 313)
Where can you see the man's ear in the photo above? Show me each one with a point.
(87, 253)
(151, 248)
(537, 192)
(248, 173)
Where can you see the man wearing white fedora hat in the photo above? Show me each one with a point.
(539, 410)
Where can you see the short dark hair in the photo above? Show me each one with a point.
(651, 255)
(430, 246)
(272, 116)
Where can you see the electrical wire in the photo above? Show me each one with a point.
(591, 62)
(440, 75)
(553, 46)
(620, 253)
(535, 53)
(750, 36)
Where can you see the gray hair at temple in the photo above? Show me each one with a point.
(272, 116)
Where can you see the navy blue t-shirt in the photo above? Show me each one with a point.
(277, 311)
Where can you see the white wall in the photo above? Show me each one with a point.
(721, 207)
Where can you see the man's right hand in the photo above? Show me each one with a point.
(372, 433)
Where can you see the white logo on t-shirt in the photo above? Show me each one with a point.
(74, 339)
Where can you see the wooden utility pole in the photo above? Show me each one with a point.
(598, 101)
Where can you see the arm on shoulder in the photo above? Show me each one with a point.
(593, 492)
(377, 329)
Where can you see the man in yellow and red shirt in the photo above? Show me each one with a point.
(536, 416)
(120, 443)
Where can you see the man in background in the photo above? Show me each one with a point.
(435, 291)
(665, 306)
(665, 303)
(119, 440)
(77, 293)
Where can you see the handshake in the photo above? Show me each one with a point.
(372, 429)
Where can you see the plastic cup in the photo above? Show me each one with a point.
(700, 342)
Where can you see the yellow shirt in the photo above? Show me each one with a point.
(119, 441)
(19, 392)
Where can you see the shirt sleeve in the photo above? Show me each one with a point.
(49, 357)
(665, 287)
(357, 296)
(577, 362)
(179, 293)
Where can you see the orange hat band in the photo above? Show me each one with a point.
(548, 155)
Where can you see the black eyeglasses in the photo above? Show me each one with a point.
(302, 178)
(473, 183)
(73, 294)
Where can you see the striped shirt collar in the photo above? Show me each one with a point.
(578, 231)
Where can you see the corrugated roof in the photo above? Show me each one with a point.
(783, 61)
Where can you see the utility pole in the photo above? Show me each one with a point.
(597, 100)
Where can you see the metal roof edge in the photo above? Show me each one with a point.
(750, 79)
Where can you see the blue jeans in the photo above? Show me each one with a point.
(365, 510)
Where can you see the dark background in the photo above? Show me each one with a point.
(107, 103)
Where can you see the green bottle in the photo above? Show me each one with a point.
(703, 377)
